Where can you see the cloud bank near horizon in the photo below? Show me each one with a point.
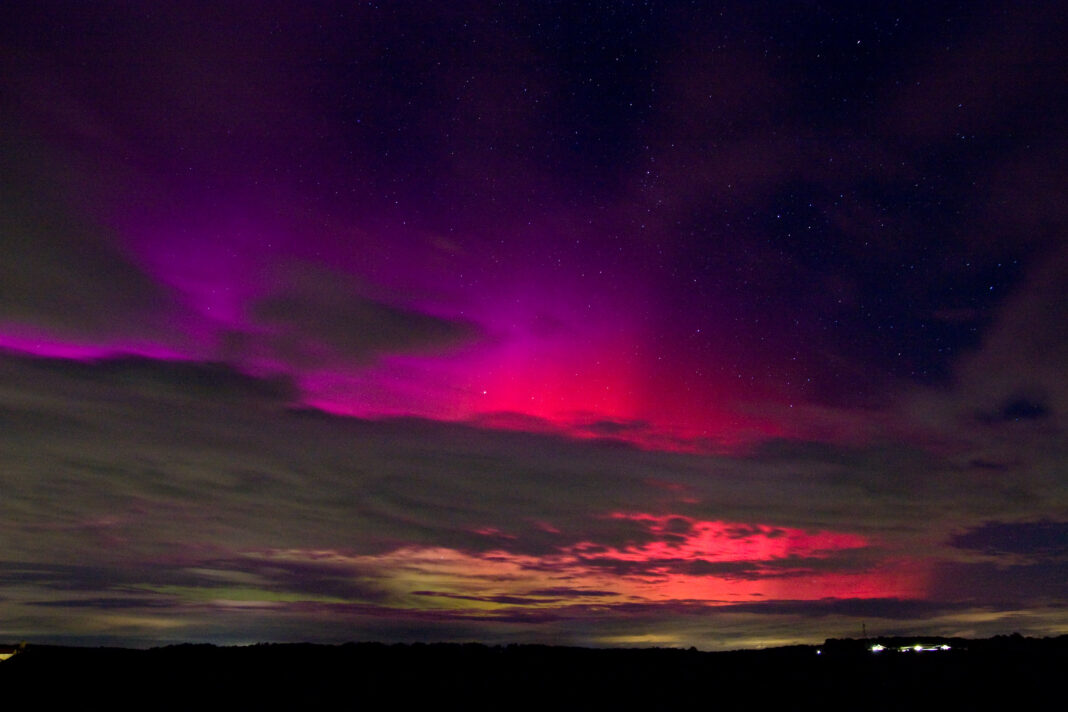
(166, 501)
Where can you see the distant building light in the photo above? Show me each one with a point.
(8, 652)
(917, 648)
(923, 648)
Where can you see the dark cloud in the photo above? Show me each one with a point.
(62, 271)
(320, 317)
(1014, 340)
(1007, 585)
(156, 377)
(128, 578)
(104, 604)
(1014, 380)
(506, 600)
(745, 532)
(314, 578)
(66, 577)
(566, 592)
(611, 428)
(1038, 540)
(886, 608)
(1023, 409)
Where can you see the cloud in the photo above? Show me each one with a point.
(183, 379)
(103, 604)
(1031, 539)
(1004, 411)
(196, 485)
(890, 608)
(1023, 357)
(61, 270)
(1021, 408)
(318, 317)
(1009, 586)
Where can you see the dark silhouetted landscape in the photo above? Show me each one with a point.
(841, 674)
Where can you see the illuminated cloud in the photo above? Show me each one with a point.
(306, 516)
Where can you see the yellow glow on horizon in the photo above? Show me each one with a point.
(642, 639)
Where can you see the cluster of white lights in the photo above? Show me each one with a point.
(911, 648)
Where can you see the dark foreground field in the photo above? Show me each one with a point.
(1009, 672)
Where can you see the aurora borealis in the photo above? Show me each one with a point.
(579, 323)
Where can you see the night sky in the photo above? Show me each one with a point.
(656, 323)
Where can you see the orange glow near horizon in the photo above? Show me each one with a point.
(686, 561)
